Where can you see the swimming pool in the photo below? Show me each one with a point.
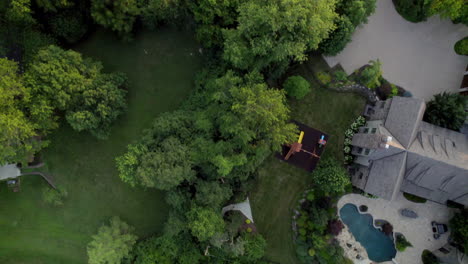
(379, 247)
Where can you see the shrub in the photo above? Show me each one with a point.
(459, 226)
(340, 76)
(296, 86)
(414, 198)
(338, 39)
(363, 208)
(335, 226)
(446, 110)
(330, 177)
(428, 257)
(349, 133)
(387, 228)
(371, 75)
(461, 47)
(402, 243)
(323, 77)
(413, 10)
(54, 197)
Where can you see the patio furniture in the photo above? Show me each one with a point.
(438, 229)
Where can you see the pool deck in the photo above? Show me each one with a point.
(417, 231)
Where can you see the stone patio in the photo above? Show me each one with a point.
(417, 231)
(417, 56)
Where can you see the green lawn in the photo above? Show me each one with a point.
(279, 185)
(161, 67)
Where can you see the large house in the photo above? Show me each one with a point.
(398, 152)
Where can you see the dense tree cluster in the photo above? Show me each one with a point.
(205, 152)
(317, 225)
(56, 81)
(420, 10)
(447, 110)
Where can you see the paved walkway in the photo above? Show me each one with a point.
(417, 231)
(417, 56)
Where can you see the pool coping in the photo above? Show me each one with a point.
(373, 224)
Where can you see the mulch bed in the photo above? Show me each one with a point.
(309, 143)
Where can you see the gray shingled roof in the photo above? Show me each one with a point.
(386, 175)
(404, 117)
(435, 163)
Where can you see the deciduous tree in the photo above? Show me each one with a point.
(204, 223)
(446, 110)
(112, 243)
(330, 177)
(117, 15)
(276, 32)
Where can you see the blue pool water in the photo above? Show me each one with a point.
(379, 247)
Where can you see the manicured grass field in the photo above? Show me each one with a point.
(279, 185)
(161, 67)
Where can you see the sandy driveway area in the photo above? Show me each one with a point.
(416, 56)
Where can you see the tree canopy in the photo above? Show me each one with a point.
(446, 110)
(272, 33)
(65, 81)
(18, 131)
(112, 243)
(330, 177)
(117, 15)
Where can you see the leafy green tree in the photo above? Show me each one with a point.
(339, 38)
(117, 15)
(204, 223)
(53, 5)
(413, 10)
(330, 177)
(149, 162)
(155, 12)
(99, 106)
(452, 9)
(69, 25)
(19, 11)
(212, 17)
(296, 86)
(446, 110)
(459, 227)
(63, 80)
(211, 193)
(58, 75)
(16, 140)
(371, 75)
(254, 247)
(112, 243)
(273, 33)
(250, 121)
(358, 10)
(461, 47)
(167, 166)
